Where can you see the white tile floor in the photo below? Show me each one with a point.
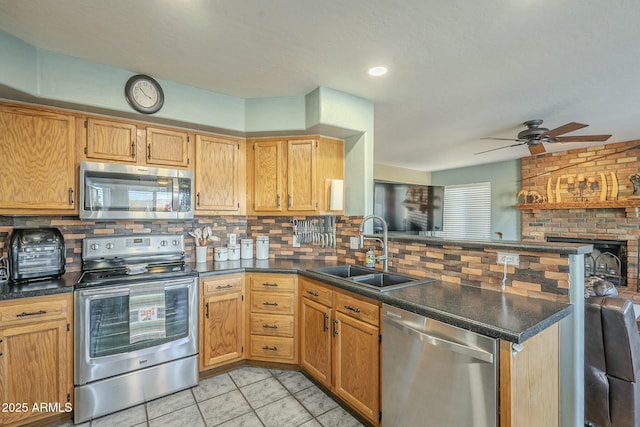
(248, 396)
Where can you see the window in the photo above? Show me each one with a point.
(467, 211)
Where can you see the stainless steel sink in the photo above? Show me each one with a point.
(344, 270)
(370, 278)
(381, 280)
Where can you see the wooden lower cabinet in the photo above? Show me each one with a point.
(340, 345)
(221, 320)
(272, 317)
(36, 363)
(529, 382)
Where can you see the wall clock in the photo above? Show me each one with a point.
(144, 94)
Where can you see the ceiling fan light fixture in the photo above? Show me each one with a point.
(377, 71)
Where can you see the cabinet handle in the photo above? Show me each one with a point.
(274, 304)
(266, 347)
(0, 354)
(278, 201)
(149, 151)
(224, 287)
(70, 196)
(133, 149)
(315, 294)
(355, 310)
(35, 313)
(198, 199)
(335, 327)
(267, 326)
(289, 199)
(207, 312)
(273, 285)
(325, 324)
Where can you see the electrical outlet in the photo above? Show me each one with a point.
(509, 258)
(354, 243)
(295, 242)
(233, 238)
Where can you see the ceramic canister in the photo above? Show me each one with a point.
(234, 252)
(246, 248)
(262, 247)
(220, 254)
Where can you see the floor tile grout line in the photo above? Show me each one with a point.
(198, 406)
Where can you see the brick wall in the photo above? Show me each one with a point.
(538, 274)
(620, 223)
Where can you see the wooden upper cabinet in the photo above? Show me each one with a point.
(120, 141)
(267, 176)
(218, 177)
(167, 147)
(292, 176)
(301, 175)
(108, 140)
(38, 165)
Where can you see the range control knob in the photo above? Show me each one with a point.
(110, 245)
(163, 243)
(95, 246)
(176, 242)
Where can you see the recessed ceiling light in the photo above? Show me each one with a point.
(377, 71)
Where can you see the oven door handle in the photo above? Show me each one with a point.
(124, 289)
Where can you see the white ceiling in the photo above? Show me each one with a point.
(459, 70)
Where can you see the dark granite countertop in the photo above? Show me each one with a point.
(44, 287)
(495, 314)
(506, 316)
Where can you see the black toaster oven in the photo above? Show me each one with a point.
(36, 254)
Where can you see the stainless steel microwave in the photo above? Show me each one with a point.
(110, 191)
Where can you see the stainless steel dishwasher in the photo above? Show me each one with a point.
(434, 374)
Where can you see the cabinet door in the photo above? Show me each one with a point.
(34, 368)
(222, 329)
(37, 159)
(301, 175)
(267, 176)
(167, 147)
(107, 140)
(217, 174)
(315, 340)
(356, 364)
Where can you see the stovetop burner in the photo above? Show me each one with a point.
(119, 260)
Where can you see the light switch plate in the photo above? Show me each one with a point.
(233, 238)
(354, 243)
(295, 242)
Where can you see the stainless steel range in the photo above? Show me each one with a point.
(135, 323)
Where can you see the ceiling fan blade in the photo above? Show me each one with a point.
(569, 127)
(500, 148)
(582, 138)
(535, 149)
(501, 139)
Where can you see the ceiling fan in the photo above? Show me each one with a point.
(534, 136)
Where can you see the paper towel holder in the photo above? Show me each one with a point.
(336, 194)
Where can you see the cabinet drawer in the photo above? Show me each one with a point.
(270, 302)
(211, 286)
(273, 282)
(272, 324)
(359, 309)
(33, 311)
(316, 292)
(271, 347)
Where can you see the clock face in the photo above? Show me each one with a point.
(144, 94)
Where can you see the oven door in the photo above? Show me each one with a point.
(109, 341)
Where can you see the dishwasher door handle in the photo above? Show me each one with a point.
(482, 355)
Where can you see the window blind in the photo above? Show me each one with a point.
(467, 211)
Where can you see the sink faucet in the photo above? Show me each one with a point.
(383, 241)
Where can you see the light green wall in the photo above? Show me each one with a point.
(396, 174)
(505, 184)
(56, 79)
